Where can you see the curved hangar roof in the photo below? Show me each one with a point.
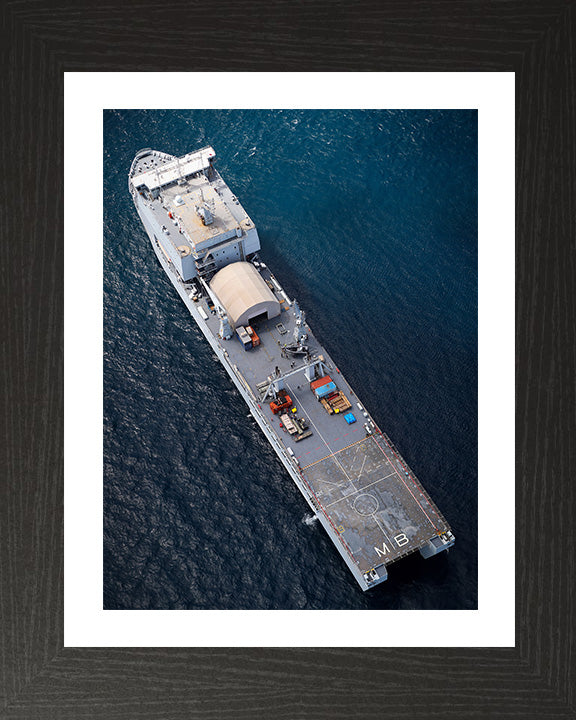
(243, 293)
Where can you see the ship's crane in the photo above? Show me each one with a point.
(309, 369)
(300, 335)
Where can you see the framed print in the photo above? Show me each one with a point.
(530, 673)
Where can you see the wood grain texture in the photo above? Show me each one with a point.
(41, 679)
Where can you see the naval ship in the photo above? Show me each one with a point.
(355, 481)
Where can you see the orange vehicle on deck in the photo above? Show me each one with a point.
(282, 402)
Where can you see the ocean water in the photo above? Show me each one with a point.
(369, 219)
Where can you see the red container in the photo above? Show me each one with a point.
(321, 381)
(253, 336)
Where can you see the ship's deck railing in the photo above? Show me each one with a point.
(147, 151)
(140, 154)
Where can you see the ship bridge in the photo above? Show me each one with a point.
(190, 213)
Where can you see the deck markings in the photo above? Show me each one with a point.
(315, 461)
(344, 471)
(354, 458)
(360, 490)
(329, 483)
(332, 454)
(381, 528)
(356, 442)
(406, 486)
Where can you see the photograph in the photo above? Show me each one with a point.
(290, 359)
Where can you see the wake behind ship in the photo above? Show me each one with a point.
(353, 478)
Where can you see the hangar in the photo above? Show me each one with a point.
(244, 294)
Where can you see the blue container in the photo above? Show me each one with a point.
(324, 390)
(349, 417)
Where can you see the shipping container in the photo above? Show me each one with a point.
(253, 336)
(324, 390)
(244, 337)
(321, 381)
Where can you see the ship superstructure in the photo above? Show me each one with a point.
(353, 478)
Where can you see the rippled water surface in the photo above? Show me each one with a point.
(369, 219)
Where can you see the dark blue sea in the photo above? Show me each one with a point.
(369, 219)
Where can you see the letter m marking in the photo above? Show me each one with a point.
(383, 551)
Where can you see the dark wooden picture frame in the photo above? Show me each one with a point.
(39, 678)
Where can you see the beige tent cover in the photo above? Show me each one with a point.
(243, 293)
